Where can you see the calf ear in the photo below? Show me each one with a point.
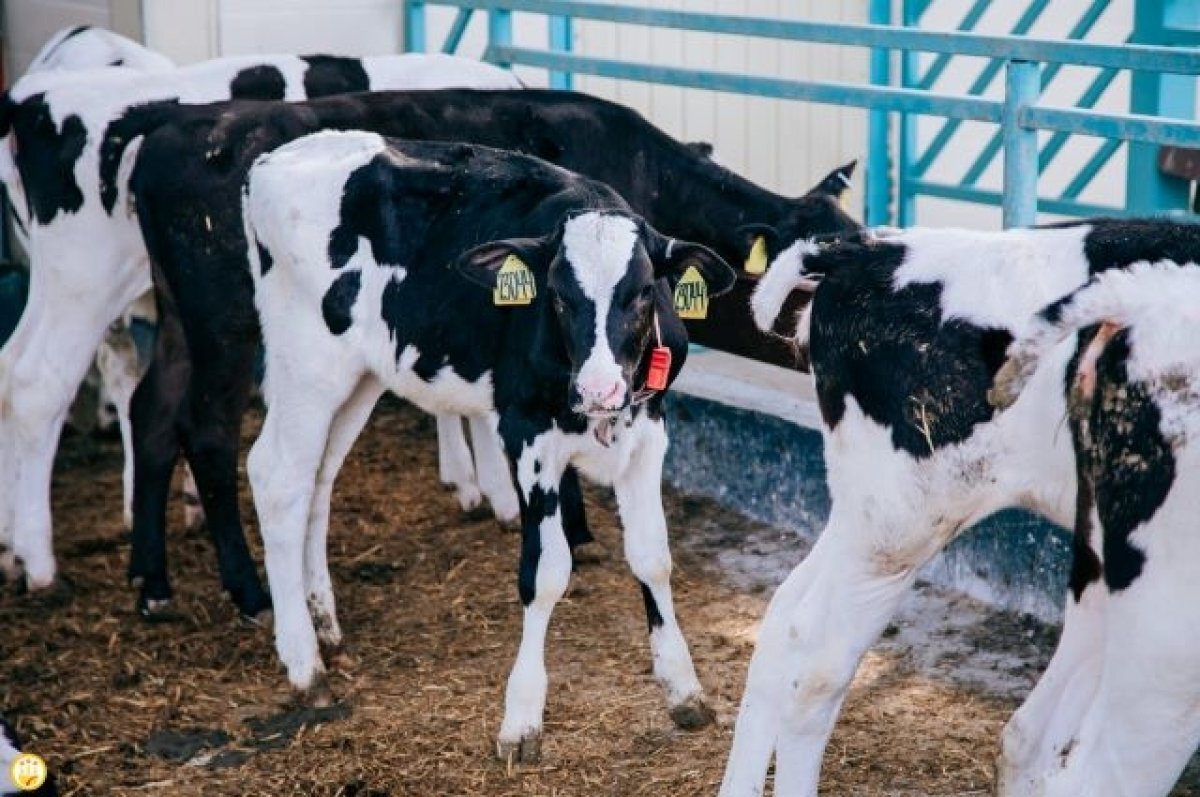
(481, 264)
(672, 259)
(758, 244)
(836, 182)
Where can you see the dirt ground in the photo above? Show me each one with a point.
(429, 606)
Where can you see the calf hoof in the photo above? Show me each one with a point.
(526, 750)
(510, 525)
(248, 596)
(336, 657)
(156, 610)
(469, 497)
(53, 593)
(318, 694)
(477, 514)
(264, 619)
(692, 714)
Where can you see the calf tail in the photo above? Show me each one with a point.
(136, 122)
(785, 275)
(1111, 300)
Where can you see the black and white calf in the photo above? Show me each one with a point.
(905, 335)
(87, 254)
(478, 282)
(1128, 686)
(208, 335)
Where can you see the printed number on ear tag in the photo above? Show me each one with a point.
(756, 261)
(660, 368)
(691, 295)
(514, 284)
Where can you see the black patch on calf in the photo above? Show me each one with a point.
(369, 210)
(1116, 243)
(330, 74)
(922, 376)
(47, 159)
(542, 504)
(1130, 463)
(258, 83)
(75, 31)
(137, 120)
(1085, 562)
(653, 616)
(265, 261)
(339, 301)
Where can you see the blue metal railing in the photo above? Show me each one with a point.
(1018, 112)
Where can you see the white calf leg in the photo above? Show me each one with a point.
(491, 467)
(455, 468)
(346, 426)
(828, 612)
(283, 466)
(120, 372)
(1049, 719)
(639, 500)
(1143, 724)
(545, 573)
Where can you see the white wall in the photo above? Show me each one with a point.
(28, 24)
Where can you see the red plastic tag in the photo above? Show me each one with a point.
(660, 368)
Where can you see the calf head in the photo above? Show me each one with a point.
(598, 272)
(817, 214)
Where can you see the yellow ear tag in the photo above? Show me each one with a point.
(691, 295)
(514, 284)
(756, 261)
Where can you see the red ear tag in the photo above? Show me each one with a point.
(660, 368)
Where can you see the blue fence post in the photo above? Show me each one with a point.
(562, 39)
(414, 26)
(1149, 190)
(879, 160)
(906, 197)
(499, 34)
(1022, 85)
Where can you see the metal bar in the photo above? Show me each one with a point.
(1021, 88)
(1022, 48)
(1088, 100)
(499, 35)
(879, 166)
(1085, 175)
(906, 199)
(943, 60)
(1090, 97)
(881, 98)
(457, 29)
(984, 196)
(1129, 127)
(414, 26)
(562, 39)
(978, 86)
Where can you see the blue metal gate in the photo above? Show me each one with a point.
(1163, 87)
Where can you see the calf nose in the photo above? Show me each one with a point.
(607, 395)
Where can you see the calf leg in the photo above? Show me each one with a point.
(155, 410)
(455, 468)
(819, 623)
(575, 523)
(1043, 728)
(117, 360)
(1143, 724)
(43, 365)
(491, 466)
(283, 467)
(545, 571)
(217, 399)
(344, 430)
(639, 500)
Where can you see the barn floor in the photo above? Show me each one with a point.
(428, 603)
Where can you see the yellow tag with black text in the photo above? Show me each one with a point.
(756, 261)
(514, 284)
(691, 295)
